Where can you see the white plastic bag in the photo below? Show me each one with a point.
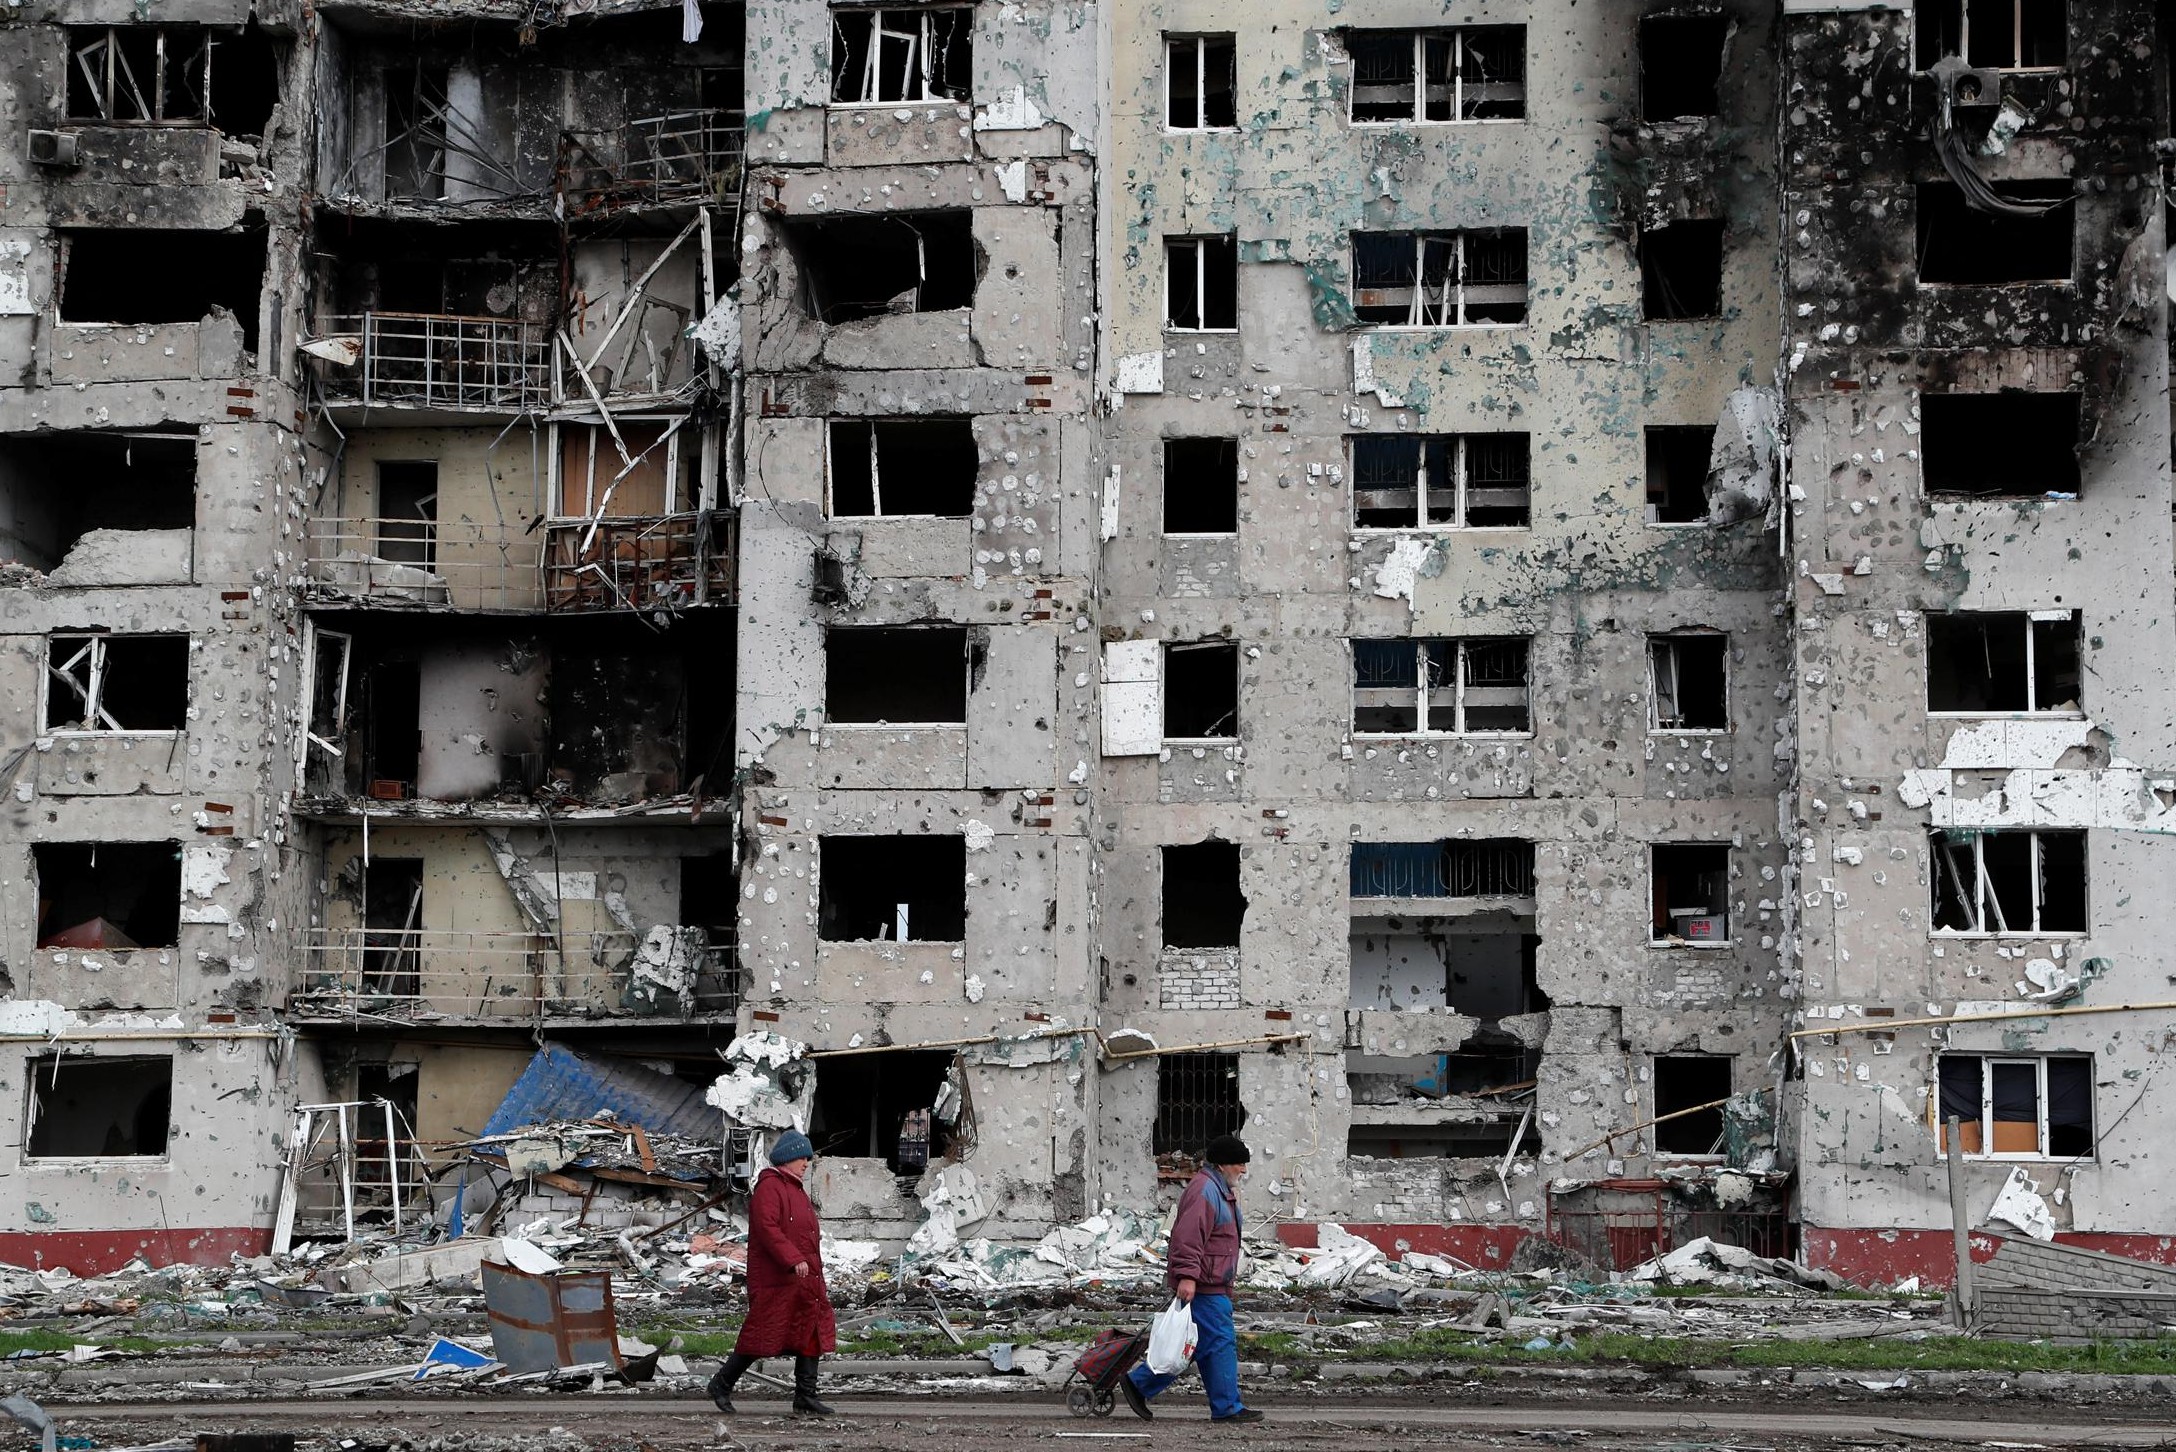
(1171, 1339)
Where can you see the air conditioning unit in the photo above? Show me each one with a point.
(53, 148)
(1975, 88)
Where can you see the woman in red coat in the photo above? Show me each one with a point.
(789, 1307)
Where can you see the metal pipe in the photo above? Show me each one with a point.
(1884, 1025)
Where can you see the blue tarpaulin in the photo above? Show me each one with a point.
(560, 1084)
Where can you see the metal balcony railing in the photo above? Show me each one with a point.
(363, 975)
(683, 156)
(659, 561)
(441, 360)
(462, 563)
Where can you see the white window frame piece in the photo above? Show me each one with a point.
(1985, 907)
(320, 647)
(1729, 926)
(601, 449)
(1453, 708)
(114, 82)
(1987, 1150)
(1198, 43)
(1132, 698)
(1461, 482)
(1195, 244)
(1422, 40)
(2025, 620)
(918, 29)
(1448, 307)
(1656, 643)
(93, 645)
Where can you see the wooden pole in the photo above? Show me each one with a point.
(1960, 1224)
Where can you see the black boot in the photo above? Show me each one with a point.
(804, 1388)
(723, 1380)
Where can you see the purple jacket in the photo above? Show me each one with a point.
(1205, 1236)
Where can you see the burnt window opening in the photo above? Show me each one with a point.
(1200, 83)
(407, 526)
(101, 1107)
(57, 488)
(1451, 481)
(1994, 34)
(1201, 486)
(2000, 663)
(2008, 883)
(1201, 691)
(1473, 73)
(105, 279)
(1963, 246)
(1689, 1081)
(391, 711)
(1197, 1099)
(1691, 882)
(1681, 66)
(2018, 1106)
(1489, 1139)
(892, 889)
(1999, 445)
(1201, 284)
(887, 675)
(133, 75)
(418, 120)
(890, 57)
(1439, 279)
(1202, 904)
(1450, 687)
(1688, 681)
(1456, 867)
(1677, 474)
(117, 683)
(110, 895)
(1681, 270)
(857, 265)
(883, 1106)
(903, 466)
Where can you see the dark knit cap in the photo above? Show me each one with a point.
(1227, 1149)
(792, 1145)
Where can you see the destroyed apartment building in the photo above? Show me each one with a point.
(1553, 612)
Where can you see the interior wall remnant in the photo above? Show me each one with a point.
(896, 889)
(107, 1106)
(110, 895)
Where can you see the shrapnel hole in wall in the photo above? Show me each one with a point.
(117, 683)
(885, 467)
(2007, 445)
(1681, 269)
(103, 1107)
(1689, 681)
(1960, 244)
(1201, 690)
(896, 889)
(857, 265)
(1677, 473)
(1202, 904)
(1681, 66)
(110, 895)
(896, 675)
(1201, 486)
(2003, 661)
(104, 279)
(1691, 882)
(1683, 1081)
(56, 488)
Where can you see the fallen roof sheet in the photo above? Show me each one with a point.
(560, 1084)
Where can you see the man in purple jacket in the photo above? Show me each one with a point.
(1200, 1266)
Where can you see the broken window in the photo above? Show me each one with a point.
(1200, 83)
(2018, 1107)
(1681, 269)
(1960, 244)
(1202, 903)
(892, 889)
(2008, 883)
(1201, 284)
(2003, 662)
(882, 1106)
(1454, 687)
(893, 675)
(417, 126)
(1201, 486)
(1690, 1082)
(889, 57)
(1474, 73)
(139, 73)
(1450, 481)
(1681, 65)
(1688, 681)
(1691, 892)
(330, 652)
(1999, 445)
(1201, 691)
(408, 511)
(856, 265)
(1439, 279)
(1197, 1099)
(83, 1107)
(1456, 867)
(899, 466)
(392, 926)
(654, 479)
(57, 488)
(1677, 474)
(1993, 34)
(110, 895)
(104, 278)
(117, 683)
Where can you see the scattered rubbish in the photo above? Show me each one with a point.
(1706, 1262)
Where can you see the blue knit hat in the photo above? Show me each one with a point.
(792, 1145)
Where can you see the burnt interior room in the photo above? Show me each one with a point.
(1202, 904)
(1960, 244)
(1681, 66)
(903, 466)
(99, 1107)
(858, 265)
(908, 889)
(2010, 444)
(110, 895)
(882, 1106)
(898, 674)
(104, 276)
(496, 269)
(57, 487)
(225, 77)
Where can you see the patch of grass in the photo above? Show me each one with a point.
(29, 1340)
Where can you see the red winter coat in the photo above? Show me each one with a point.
(1204, 1244)
(788, 1315)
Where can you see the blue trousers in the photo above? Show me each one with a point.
(1216, 1357)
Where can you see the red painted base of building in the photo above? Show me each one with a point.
(1884, 1257)
(94, 1252)
(1484, 1247)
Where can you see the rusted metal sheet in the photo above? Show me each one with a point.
(543, 1322)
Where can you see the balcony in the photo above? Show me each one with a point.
(437, 360)
(680, 157)
(400, 562)
(663, 561)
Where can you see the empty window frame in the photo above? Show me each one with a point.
(882, 1106)
(1197, 1099)
(116, 682)
(1202, 904)
(1200, 82)
(2008, 884)
(83, 1107)
(1474, 73)
(1960, 245)
(139, 74)
(108, 895)
(1994, 34)
(55, 488)
(1441, 481)
(1457, 867)
(1677, 474)
(857, 265)
(1690, 1082)
(903, 466)
(1439, 279)
(1201, 486)
(1681, 66)
(2018, 1107)
(103, 278)
(893, 57)
(1201, 691)
(1475, 687)
(1688, 681)
(887, 675)
(2003, 663)
(1681, 270)
(892, 889)
(407, 525)
(1201, 284)
(1691, 882)
(2010, 445)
